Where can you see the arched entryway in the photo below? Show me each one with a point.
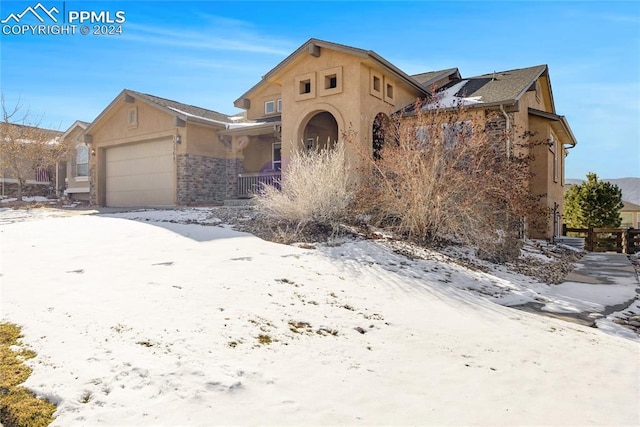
(321, 131)
(380, 129)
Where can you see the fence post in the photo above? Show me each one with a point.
(564, 229)
(590, 239)
(625, 241)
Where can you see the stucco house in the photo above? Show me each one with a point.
(323, 88)
(150, 151)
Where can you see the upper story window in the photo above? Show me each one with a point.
(376, 83)
(82, 160)
(279, 106)
(269, 107)
(305, 86)
(389, 91)
(331, 81)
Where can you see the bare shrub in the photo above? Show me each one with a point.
(448, 171)
(315, 193)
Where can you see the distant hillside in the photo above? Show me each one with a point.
(630, 187)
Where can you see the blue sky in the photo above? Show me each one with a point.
(208, 53)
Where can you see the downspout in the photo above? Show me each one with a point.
(507, 130)
(57, 180)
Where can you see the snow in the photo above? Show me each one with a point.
(144, 318)
(448, 99)
(27, 199)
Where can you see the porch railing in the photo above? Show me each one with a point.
(250, 183)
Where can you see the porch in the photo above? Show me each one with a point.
(250, 183)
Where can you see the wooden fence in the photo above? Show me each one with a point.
(621, 240)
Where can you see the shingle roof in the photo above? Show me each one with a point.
(185, 108)
(628, 206)
(499, 86)
(427, 79)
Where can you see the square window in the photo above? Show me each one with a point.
(376, 83)
(305, 86)
(269, 107)
(279, 107)
(331, 81)
(389, 91)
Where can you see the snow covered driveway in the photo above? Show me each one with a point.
(159, 323)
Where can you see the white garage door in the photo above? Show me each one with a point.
(140, 174)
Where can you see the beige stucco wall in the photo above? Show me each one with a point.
(351, 102)
(203, 140)
(542, 182)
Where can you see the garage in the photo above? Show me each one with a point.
(141, 174)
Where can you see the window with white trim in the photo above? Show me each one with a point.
(279, 106)
(269, 107)
(82, 160)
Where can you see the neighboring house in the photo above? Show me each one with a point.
(39, 180)
(150, 151)
(630, 214)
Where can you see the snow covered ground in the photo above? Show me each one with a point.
(146, 318)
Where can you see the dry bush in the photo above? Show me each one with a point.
(315, 193)
(448, 171)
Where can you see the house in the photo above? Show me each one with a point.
(24, 155)
(322, 89)
(630, 214)
(150, 151)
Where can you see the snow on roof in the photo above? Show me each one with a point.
(451, 97)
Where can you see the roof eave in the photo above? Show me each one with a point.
(311, 44)
(560, 119)
(258, 129)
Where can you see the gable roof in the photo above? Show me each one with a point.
(184, 112)
(179, 107)
(628, 206)
(430, 77)
(77, 124)
(313, 46)
(502, 87)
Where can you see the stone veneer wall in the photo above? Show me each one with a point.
(93, 200)
(496, 127)
(203, 180)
